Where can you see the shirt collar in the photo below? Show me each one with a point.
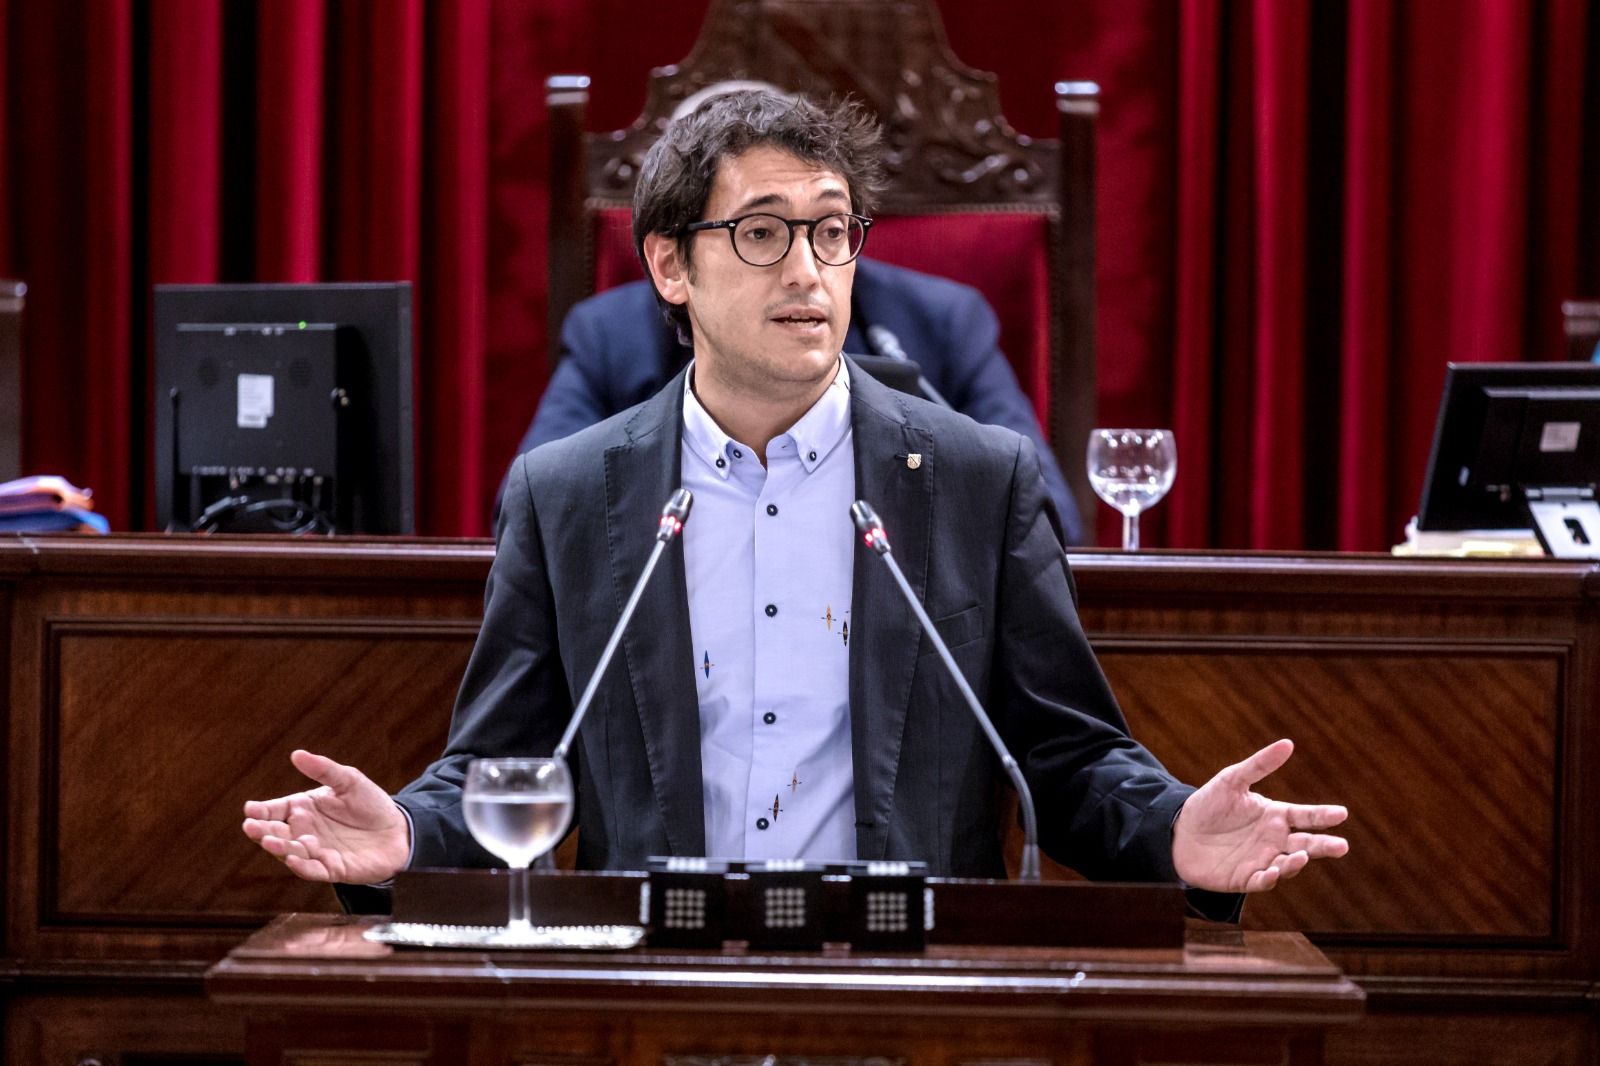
(817, 432)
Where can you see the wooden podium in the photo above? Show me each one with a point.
(314, 991)
(1453, 705)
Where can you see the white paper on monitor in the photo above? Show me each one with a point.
(255, 400)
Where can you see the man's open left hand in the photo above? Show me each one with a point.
(1230, 839)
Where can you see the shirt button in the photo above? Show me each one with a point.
(721, 462)
(769, 718)
(772, 508)
(772, 609)
(762, 823)
(737, 454)
(812, 456)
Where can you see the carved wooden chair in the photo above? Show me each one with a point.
(969, 197)
(1581, 319)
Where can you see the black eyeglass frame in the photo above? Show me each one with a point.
(731, 224)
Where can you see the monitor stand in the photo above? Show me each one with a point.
(1566, 521)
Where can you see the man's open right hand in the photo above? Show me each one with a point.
(347, 830)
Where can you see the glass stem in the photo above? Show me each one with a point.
(1130, 532)
(519, 900)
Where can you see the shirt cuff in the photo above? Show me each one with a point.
(411, 849)
(1203, 903)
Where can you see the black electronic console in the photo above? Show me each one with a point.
(284, 408)
(1517, 445)
(793, 906)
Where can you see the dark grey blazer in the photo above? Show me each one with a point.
(971, 530)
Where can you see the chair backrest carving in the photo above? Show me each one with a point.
(950, 153)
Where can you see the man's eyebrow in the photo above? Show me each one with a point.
(773, 199)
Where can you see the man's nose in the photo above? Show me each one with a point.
(800, 266)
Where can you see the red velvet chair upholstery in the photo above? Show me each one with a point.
(969, 198)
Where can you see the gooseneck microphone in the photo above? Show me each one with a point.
(871, 530)
(673, 516)
(882, 339)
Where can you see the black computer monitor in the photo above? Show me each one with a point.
(284, 408)
(1506, 428)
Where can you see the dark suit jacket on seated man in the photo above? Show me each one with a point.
(749, 214)
(617, 351)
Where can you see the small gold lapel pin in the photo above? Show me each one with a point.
(914, 461)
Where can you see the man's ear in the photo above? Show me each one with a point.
(667, 268)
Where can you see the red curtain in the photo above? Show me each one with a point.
(1306, 208)
(192, 141)
(69, 154)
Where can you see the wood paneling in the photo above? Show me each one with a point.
(154, 684)
(1440, 1039)
(1452, 704)
(1443, 755)
(122, 1030)
(209, 736)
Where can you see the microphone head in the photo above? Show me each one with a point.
(884, 341)
(674, 515)
(869, 526)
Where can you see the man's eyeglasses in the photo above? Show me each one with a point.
(763, 240)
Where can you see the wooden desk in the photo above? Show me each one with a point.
(313, 990)
(155, 683)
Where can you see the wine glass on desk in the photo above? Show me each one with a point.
(1131, 469)
(517, 809)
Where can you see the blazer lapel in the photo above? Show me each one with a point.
(640, 476)
(885, 637)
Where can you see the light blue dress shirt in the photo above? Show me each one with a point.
(769, 560)
(769, 566)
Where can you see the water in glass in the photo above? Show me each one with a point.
(518, 828)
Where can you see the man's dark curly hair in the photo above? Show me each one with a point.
(677, 173)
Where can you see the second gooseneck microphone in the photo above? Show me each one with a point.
(884, 341)
(673, 516)
(871, 530)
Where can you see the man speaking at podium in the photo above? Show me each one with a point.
(772, 656)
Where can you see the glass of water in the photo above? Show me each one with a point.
(1131, 469)
(517, 809)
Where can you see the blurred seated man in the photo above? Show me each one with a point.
(617, 350)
